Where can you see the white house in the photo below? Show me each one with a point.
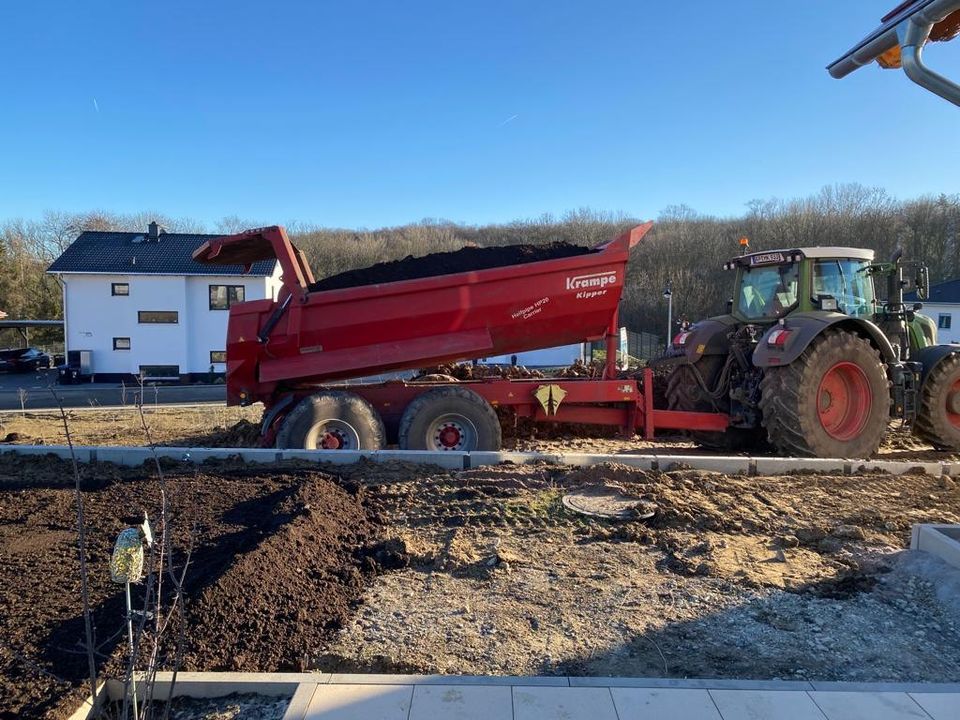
(943, 306)
(141, 304)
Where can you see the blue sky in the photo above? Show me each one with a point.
(366, 113)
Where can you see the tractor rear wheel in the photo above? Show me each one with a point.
(449, 418)
(938, 419)
(332, 420)
(684, 392)
(832, 401)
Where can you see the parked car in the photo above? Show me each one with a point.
(23, 360)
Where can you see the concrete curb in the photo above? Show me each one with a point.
(940, 540)
(728, 465)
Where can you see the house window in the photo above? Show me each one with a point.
(158, 316)
(943, 322)
(122, 289)
(121, 343)
(223, 296)
(218, 356)
(160, 372)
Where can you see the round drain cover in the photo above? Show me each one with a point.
(610, 503)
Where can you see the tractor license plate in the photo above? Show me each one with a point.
(767, 259)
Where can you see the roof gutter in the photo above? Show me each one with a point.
(909, 29)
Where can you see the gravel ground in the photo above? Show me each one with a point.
(799, 577)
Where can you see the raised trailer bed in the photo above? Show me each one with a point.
(284, 353)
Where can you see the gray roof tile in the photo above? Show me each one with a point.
(127, 253)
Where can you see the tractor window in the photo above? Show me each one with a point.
(848, 281)
(767, 291)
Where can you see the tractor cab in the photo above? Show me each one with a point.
(770, 285)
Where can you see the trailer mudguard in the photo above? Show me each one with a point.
(932, 356)
(706, 337)
(803, 327)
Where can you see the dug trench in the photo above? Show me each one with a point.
(400, 568)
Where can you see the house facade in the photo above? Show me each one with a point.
(943, 307)
(142, 306)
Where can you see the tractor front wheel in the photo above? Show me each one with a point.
(832, 401)
(332, 420)
(938, 419)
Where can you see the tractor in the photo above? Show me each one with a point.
(808, 360)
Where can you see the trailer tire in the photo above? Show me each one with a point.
(449, 418)
(332, 420)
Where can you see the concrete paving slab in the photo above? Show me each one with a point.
(461, 702)
(360, 702)
(701, 683)
(300, 702)
(765, 705)
(868, 706)
(911, 687)
(507, 680)
(580, 703)
(939, 706)
(672, 704)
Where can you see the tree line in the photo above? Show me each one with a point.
(685, 249)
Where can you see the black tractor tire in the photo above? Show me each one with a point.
(938, 417)
(449, 418)
(685, 393)
(831, 402)
(332, 420)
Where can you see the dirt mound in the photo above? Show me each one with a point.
(241, 434)
(278, 560)
(463, 260)
(276, 602)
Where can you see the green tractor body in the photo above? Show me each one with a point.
(809, 359)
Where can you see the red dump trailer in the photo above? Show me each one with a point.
(286, 352)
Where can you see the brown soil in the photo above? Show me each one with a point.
(463, 260)
(271, 574)
(792, 577)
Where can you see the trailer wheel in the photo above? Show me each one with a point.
(449, 418)
(332, 420)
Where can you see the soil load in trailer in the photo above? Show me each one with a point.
(322, 335)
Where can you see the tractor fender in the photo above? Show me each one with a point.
(707, 337)
(931, 356)
(805, 326)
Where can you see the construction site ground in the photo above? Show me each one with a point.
(215, 425)
(397, 568)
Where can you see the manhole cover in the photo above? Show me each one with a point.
(608, 503)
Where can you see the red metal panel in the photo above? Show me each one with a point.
(339, 334)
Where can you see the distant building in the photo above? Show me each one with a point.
(141, 304)
(943, 306)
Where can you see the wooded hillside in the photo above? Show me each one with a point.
(684, 248)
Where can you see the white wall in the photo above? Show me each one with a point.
(934, 311)
(561, 356)
(94, 317)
